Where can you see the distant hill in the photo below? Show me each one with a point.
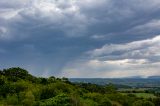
(154, 77)
(152, 81)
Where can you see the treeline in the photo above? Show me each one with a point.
(19, 88)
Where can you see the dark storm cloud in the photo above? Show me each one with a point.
(45, 35)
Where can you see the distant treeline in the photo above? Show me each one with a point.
(19, 88)
(150, 82)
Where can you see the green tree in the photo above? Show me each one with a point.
(148, 103)
(59, 100)
(105, 102)
(143, 103)
(15, 73)
(29, 99)
(12, 99)
(110, 88)
(48, 91)
(51, 79)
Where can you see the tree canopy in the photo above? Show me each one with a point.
(19, 88)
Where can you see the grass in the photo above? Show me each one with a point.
(133, 89)
(142, 95)
(145, 95)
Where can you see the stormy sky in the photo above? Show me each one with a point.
(81, 38)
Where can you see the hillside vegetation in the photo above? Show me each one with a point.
(19, 88)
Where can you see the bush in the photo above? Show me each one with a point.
(12, 100)
(105, 102)
(143, 103)
(29, 99)
(59, 100)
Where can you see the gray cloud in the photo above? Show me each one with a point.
(46, 35)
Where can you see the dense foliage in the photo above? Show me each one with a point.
(19, 88)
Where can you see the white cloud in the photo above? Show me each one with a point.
(138, 58)
(141, 48)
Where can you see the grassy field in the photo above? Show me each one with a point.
(142, 95)
(133, 89)
(145, 95)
